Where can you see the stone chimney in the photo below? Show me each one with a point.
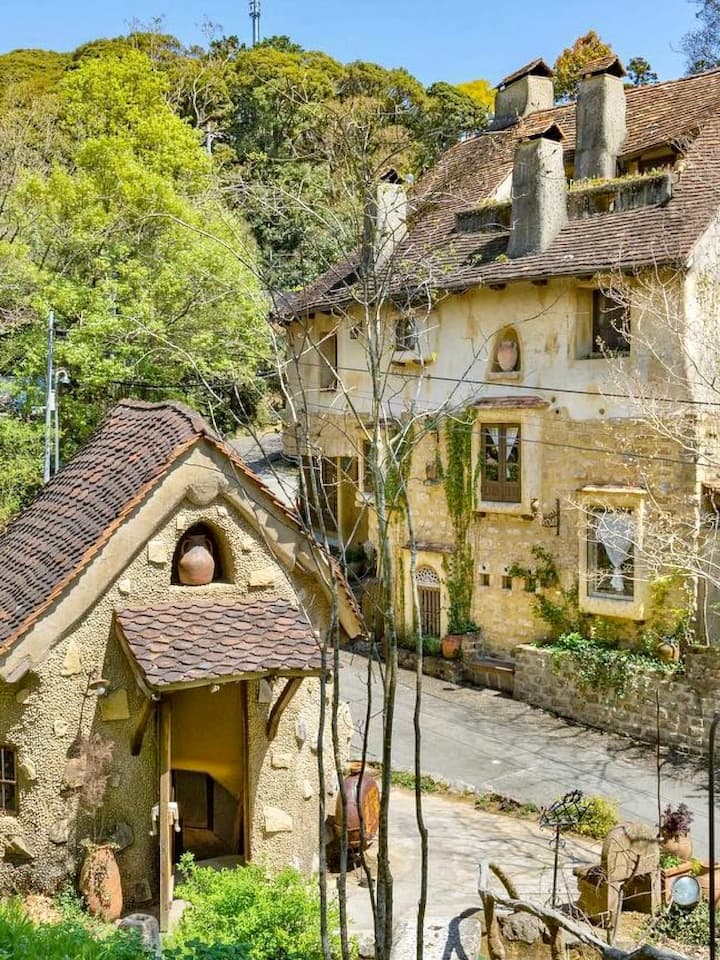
(390, 216)
(600, 119)
(526, 91)
(539, 193)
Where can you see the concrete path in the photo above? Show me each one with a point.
(460, 837)
(495, 743)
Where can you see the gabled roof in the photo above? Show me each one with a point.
(198, 640)
(77, 512)
(536, 68)
(435, 255)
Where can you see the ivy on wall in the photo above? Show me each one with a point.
(459, 484)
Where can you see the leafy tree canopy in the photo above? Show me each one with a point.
(702, 45)
(570, 62)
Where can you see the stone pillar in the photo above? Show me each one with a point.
(600, 120)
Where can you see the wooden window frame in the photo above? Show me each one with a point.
(501, 490)
(8, 781)
(609, 314)
(429, 591)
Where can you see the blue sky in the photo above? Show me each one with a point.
(452, 40)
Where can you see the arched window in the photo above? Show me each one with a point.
(428, 586)
(199, 557)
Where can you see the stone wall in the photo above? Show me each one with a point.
(687, 701)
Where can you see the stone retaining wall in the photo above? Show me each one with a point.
(687, 702)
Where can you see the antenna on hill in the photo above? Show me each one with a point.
(255, 18)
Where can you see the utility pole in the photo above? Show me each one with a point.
(49, 395)
(255, 18)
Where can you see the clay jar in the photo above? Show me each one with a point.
(506, 355)
(680, 846)
(100, 883)
(196, 565)
(363, 799)
(452, 646)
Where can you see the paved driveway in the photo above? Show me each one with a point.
(495, 743)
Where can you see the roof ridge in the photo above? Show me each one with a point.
(196, 420)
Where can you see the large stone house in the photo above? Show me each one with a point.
(551, 285)
(208, 694)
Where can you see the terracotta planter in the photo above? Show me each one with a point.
(196, 565)
(100, 883)
(668, 652)
(363, 805)
(680, 846)
(452, 646)
(704, 880)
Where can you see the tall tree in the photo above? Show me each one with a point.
(570, 62)
(640, 73)
(702, 45)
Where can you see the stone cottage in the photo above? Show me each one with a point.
(208, 694)
(551, 288)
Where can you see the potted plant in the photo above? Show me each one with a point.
(675, 838)
(452, 646)
(99, 876)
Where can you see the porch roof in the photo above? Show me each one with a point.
(202, 640)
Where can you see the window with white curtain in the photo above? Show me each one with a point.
(610, 554)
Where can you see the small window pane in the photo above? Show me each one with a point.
(611, 325)
(8, 765)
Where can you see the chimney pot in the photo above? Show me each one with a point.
(539, 193)
(600, 119)
(526, 91)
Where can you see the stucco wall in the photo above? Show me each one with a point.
(687, 702)
(45, 713)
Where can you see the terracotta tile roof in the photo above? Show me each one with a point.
(538, 67)
(684, 114)
(207, 639)
(75, 514)
(608, 64)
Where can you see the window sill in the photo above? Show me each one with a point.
(623, 608)
(514, 508)
(409, 358)
(500, 375)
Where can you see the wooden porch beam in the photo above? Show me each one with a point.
(288, 692)
(139, 732)
(164, 824)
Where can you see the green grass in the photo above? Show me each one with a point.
(406, 779)
(70, 939)
(497, 803)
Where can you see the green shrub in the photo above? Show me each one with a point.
(70, 938)
(685, 926)
(602, 815)
(274, 917)
(432, 646)
(602, 665)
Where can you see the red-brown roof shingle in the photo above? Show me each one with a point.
(683, 115)
(197, 641)
(75, 514)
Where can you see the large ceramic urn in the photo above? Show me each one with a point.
(196, 565)
(363, 808)
(506, 355)
(100, 883)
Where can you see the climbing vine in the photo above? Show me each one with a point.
(459, 484)
(398, 468)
